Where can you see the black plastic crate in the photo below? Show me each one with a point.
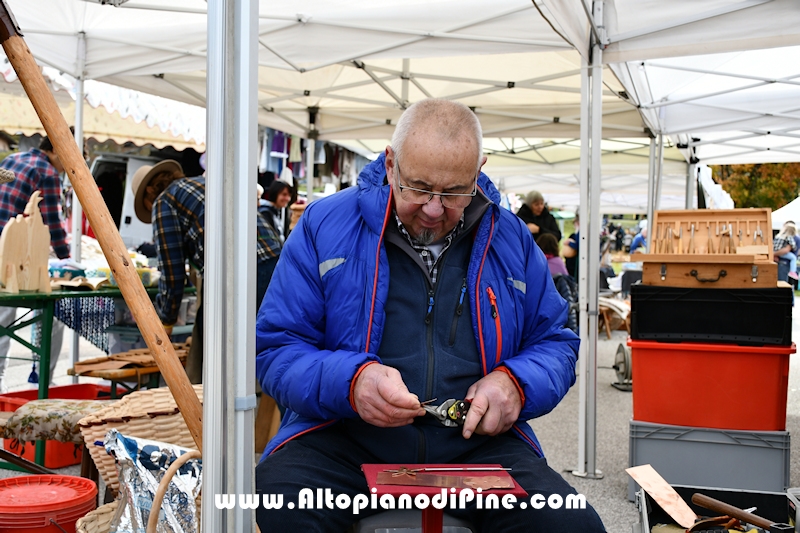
(748, 317)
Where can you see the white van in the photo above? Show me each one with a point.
(114, 174)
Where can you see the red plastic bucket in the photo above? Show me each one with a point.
(35, 504)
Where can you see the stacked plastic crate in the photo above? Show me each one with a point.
(710, 374)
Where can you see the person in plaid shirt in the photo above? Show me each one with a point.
(783, 246)
(35, 170)
(175, 205)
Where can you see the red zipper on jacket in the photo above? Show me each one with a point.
(497, 325)
(377, 264)
(478, 298)
(371, 314)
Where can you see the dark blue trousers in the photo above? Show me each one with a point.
(329, 458)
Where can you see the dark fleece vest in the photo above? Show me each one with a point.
(429, 338)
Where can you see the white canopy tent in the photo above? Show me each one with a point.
(344, 70)
(719, 77)
(630, 34)
(790, 211)
(356, 71)
(113, 113)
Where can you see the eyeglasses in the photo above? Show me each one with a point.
(450, 200)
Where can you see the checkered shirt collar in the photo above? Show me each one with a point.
(423, 251)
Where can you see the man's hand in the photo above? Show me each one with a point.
(495, 405)
(533, 227)
(383, 400)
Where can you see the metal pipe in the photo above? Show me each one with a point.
(589, 255)
(659, 170)
(583, 254)
(594, 254)
(691, 183)
(77, 210)
(651, 191)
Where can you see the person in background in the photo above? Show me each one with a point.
(796, 236)
(783, 246)
(175, 205)
(570, 250)
(640, 241)
(537, 217)
(279, 195)
(35, 170)
(549, 245)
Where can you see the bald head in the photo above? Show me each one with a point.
(440, 126)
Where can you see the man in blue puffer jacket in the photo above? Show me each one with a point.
(414, 285)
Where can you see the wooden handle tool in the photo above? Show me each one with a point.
(657, 238)
(680, 239)
(103, 225)
(691, 241)
(717, 506)
(668, 247)
(710, 242)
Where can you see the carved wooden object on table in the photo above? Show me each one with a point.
(24, 250)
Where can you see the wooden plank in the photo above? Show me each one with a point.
(664, 495)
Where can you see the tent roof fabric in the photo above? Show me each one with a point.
(345, 58)
(361, 64)
(113, 113)
(720, 76)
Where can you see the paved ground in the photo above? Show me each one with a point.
(558, 431)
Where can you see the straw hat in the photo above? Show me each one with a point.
(139, 183)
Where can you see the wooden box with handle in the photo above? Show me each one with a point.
(710, 248)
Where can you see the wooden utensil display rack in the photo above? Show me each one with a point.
(710, 248)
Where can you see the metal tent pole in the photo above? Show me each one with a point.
(230, 262)
(77, 210)
(591, 86)
(313, 133)
(691, 183)
(583, 254)
(659, 170)
(651, 192)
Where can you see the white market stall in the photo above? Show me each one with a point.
(342, 71)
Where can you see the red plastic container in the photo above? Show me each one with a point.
(57, 454)
(722, 386)
(44, 504)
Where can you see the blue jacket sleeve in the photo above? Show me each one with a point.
(544, 366)
(292, 363)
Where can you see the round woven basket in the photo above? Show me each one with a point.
(149, 414)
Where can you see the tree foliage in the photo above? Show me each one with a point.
(767, 185)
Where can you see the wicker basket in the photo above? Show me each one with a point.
(98, 521)
(150, 414)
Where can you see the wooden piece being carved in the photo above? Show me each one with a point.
(24, 250)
